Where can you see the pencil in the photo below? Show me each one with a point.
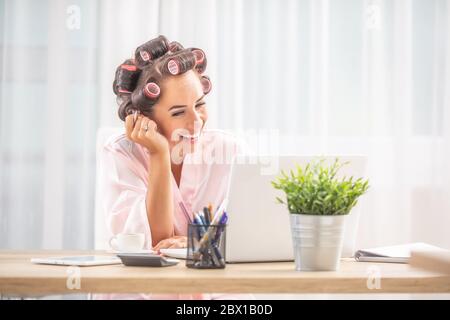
(186, 214)
(210, 209)
(207, 216)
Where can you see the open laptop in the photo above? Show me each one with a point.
(258, 227)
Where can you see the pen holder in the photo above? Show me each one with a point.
(206, 246)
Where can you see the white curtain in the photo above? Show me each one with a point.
(48, 120)
(331, 76)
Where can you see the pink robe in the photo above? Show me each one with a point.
(204, 178)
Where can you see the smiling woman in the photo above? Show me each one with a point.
(152, 184)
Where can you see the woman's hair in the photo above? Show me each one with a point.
(137, 83)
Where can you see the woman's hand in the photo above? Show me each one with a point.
(173, 242)
(145, 132)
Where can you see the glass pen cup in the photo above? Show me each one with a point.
(206, 246)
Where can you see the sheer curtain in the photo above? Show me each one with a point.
(48, 120)
(330, 76)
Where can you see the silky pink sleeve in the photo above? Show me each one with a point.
(124, 190)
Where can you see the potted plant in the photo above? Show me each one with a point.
(318, 202)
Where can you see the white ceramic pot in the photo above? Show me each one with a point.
(317, 241)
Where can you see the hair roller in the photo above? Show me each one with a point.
(151, 50)
(175, 46)
(115, 87)
(125, 107)
(206, 84)
(179, 63)
(200, 60)
(147, 96)
(127, 75)
(151, 90)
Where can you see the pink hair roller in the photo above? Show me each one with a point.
(206, 84)
(152, 90)
(173, 67)
(151, 50)
(180, 62)
(175, 46)
(200, 60)
(126, 77)
(128, 67)
(145, 56)
(199, 56)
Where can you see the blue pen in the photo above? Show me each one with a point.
(206, 215)
(203, 218)
(221, 226)
(224, 218)
(198, 221)
(219, 256)
(197, 218)
(197, 230)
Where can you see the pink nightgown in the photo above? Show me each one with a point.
(204, 178)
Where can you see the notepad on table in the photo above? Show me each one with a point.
(179, 253)
(393, 254)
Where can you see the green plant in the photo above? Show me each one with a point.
(316, 190)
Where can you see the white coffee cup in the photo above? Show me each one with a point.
(127, 242)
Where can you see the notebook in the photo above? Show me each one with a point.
(78, 260)
(393, 254)
(179, 253)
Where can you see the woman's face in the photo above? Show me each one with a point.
(180, 112)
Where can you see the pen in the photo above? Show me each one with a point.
(210, 209)
(183, 208)
(207, 252)
(201, 228)
(224, 219)
(202, 217)
(220, 259)
(207, 216)
(221, 208)
(210, 253)
(213, 254)
(209, 234)
(199, 217)
(221, 227)
(198, 232)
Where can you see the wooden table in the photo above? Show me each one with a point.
(19, 276)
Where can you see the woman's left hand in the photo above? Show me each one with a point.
(173, 242)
